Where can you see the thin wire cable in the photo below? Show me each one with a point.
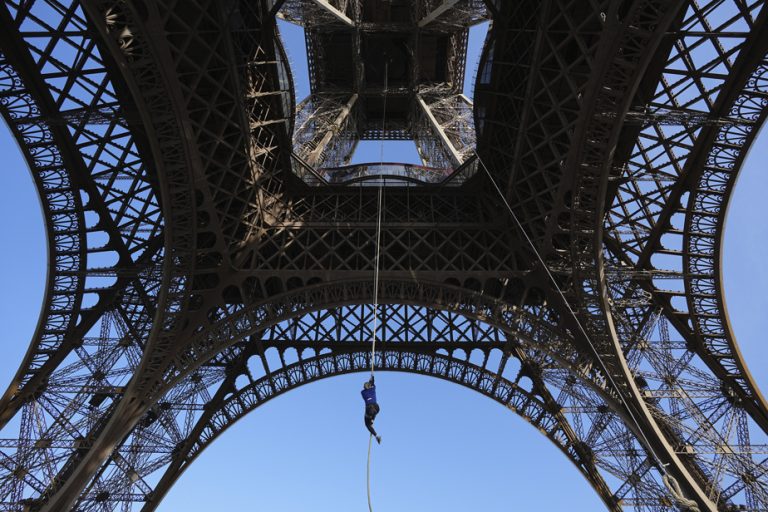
(378, 225)
(576, 318)
(376, 277)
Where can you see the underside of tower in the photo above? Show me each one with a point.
(566, 223)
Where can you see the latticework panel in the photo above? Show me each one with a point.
(615, 129)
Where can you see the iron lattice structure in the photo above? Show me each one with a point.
(384, 70)
(201, 263)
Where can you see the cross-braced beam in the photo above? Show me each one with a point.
(325, 132)
(250, 276)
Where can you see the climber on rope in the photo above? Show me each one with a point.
(371, 407)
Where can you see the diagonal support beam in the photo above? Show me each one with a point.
(453, 154)
(325, 4)
(437, 12)
(315, 157)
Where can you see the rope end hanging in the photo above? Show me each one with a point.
(685, 504)
(369, 393)
(368, 473)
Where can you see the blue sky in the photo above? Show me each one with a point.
(444, 447)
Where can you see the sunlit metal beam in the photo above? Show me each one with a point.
(335, 12)
(437, 12)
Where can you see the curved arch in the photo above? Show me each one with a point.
(153, 77)
(599, 426)
(704, 233)
(171, 152)
(719, 140)
(539, 332)
(702, 263)
(531, 407)
(80, 174)
(603, 109)
(298, 302)
(64, 223)
(720, 143)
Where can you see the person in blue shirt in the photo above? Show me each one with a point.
(371, 407)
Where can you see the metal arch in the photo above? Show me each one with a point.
(701, 246)
(701, 407)
(648, 231)
(576, 143)
(509, 394)
(713, 193)
(703, 404)
(600, 436)
(589, 160)
(163, 95)
(242, 322)
(621, 299)
(245, 321)
(65, 251)
(85, 152)
(245, 197)
(696, 429)
(614, 451)
(171, 154)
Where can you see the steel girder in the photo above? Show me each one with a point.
(613, 82)
(317, 12)
(445, 129)
(510, 394)
(205, 218)
(606, 440)
(409, 328)
(70, 414)
(102, 213)
(325, 131)
(640, 219)
(350, 101)
(233, 214)
(707, 24)
(102, 205)
(452, 12)
(654, 219)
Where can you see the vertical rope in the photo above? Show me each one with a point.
(368, 473)
(376, 272)
(376, 278)
(378, 225)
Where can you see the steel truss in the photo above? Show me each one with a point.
(350, 102)
(445, 129)
(626, 293)
(162, 134)
(325, 133)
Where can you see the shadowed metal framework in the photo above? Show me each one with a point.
(208, 248)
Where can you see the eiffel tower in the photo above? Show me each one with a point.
(566, 223)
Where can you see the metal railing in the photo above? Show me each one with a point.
(388, 174)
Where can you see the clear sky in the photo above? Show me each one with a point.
(444, 447)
